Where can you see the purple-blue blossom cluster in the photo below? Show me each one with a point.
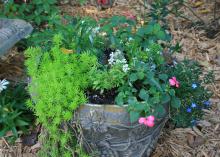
(206, 104)
(193, 106)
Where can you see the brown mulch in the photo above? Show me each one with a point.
(200, 141)
(12, 66)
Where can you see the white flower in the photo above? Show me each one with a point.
(147, 49)
(5, 1)
(112, 55)
(111, 59)
(103, 33)
(123, 61)
(3, 84)
(95, 30)
(118, 53)
(125, 68)
(130, 39)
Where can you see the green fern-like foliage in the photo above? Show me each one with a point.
(57, 87)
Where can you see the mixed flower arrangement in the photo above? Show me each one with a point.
(113, 61)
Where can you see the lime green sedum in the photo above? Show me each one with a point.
(58, 81)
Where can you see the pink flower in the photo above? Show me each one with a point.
(174, 82)
(151, 118)
(142, 120)
(149, 123)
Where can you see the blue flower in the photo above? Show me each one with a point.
(189, 110)
(207, 103)
(194, 86)
(193, 105)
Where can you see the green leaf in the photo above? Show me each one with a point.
(161, 35)
(134, 116)
(160, 110)
(133, 77)
(149, 29)
(143, 94)
(163, 77)
(172, 92)
(14, 131)
(140, 106)
(20, 122)
(120, 99)
(155, 82)
(156, 28)
(4, 131)
(140, 75)
(175, 102)
(165, 98)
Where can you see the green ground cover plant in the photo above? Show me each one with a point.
(59, 81)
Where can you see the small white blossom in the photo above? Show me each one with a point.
(118, 53)
(147, 49)
(125, 68)
(130, 39)
(95, 30)
(3, 84)
(112, 55)
(82, 22)
(103, 33)
(111, 61)
(5, 1)
(123, 61)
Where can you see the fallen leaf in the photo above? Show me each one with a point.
(198, 4)
(66, 51)
(195, 141)
(204, 11)
(199, 141)
(190, 139)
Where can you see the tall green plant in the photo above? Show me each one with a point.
(57, 84)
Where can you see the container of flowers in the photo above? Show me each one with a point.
(111, 79)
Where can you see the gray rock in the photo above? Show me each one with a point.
(11, 31)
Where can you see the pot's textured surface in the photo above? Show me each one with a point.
(11, 31)
(107, 129)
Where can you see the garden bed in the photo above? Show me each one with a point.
(203, 140)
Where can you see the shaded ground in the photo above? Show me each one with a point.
(198, 42)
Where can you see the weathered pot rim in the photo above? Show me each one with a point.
(112, 105)
(115, 108)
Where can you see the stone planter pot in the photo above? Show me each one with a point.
(11, 31)
(107, 129)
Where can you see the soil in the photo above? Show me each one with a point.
(96, 97)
